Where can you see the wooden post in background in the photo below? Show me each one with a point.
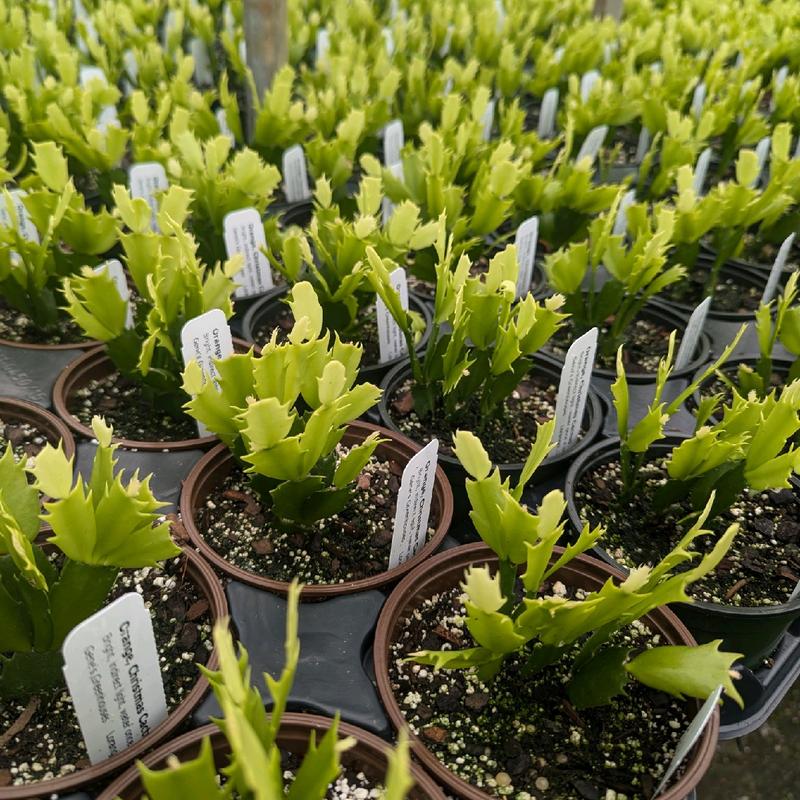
(611, 8)
(266, 35)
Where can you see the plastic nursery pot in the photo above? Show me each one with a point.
(96, 364)
(444, 572)
(215, 465)
(753, 631)
(209, 586)
(368, 755)
(49, 425)
(268, 308)
(552, 465)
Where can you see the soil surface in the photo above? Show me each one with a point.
(762, 253)
(353, 544)
(762, 566)
(25, 439)
(730, 295)
(351, 784)
(18, 327)
(518, 736)
(507, 438)
(51, 744)
(125, 406)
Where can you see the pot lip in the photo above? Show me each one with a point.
(71, 376)
(47, 422)
(210, 587)
(87, 344)
(609, 445)
(221, 454)
(290, 722)
(452, 560)
(252, 318)
(542, 360)
(747, 274)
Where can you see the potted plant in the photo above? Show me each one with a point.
(135, 378)
(298, 487)
(27, 427)
(331, 255)
(513, 660)
(48, 587)
(46, 233)
(252, 749)
(648, 481)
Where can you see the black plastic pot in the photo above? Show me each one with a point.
(753, 631)
(551, 467)
(270, 304)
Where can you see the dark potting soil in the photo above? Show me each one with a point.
(125, 406)
(762, 566)
(518, 736)
(353, 544)
(364, 331)
(18, 327)
(717, 386)
(351, 784)
(51, 744)
(507, 438)
(763, 253)
(644, 345)
(730, 295)
(25, 439)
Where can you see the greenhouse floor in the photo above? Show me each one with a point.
(762, 766)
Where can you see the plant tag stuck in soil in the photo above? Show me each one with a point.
(323, 44)
(701, 170)
(487, 120)
(388, 40)
(698, 99)
(112, 671)
(547, 114)
(113, 268)
(414, 504)
(690, 737)
(762, 154)
(621, 221)
(27, 230)
(224, 128)
(777, 269)
(573, 390)
(244, 235)
(691, 336)
(643, 145)
(203, 75)
(393, 140)
(526, 240)
(387, 206)
(391, 342)
(108, 113)
(588, 80)
(592, 143)
(146, 181)
(204, 339)
(295, 175)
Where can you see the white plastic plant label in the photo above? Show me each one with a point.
(244, 234)
(621, 221)
(797, 148)
(698, 99)
(643, 145)
(526, 240)
(573, 390)
(592, 143)
(131, 66)
(27, 230)
(108, 114)
(448, 87)
(701, 170)
(691, 336)
(387, 206)
(388, 40)
(762, 154)
(147, 179)
(487, 120)
(777, 268)
(588, 80)
(323, 45)
(690, 737)
(414, 504)
(780, 77)
(224, 128)
(547, 114)
(295, 175)
(113, 674)
(113, 268)
(393, 140)
(391, 342)
(204, 339)
(169, 22)
(243, 51)
(444, 50)
(558, 54)
(203, 75)
(501, 14)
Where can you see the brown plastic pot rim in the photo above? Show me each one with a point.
(88, 344)
(210, 587)
(295, 730)
(87, 366)
(205, 469)
(445, 570)
(47, 423)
